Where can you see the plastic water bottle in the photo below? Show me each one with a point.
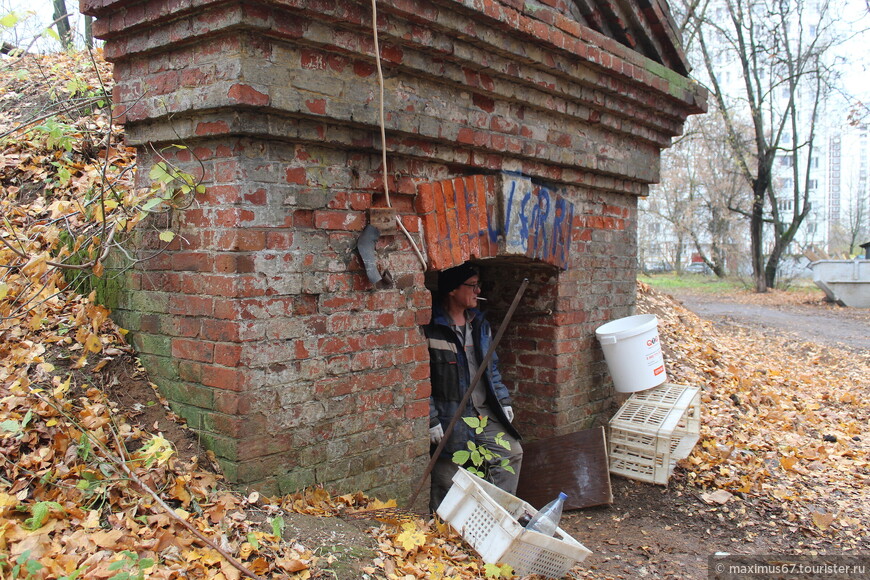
(547, 520)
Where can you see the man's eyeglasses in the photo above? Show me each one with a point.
(476, 285)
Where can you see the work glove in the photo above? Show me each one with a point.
(509, 413)
(436, 433)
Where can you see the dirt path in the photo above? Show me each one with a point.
(813, 321)
(652, 531)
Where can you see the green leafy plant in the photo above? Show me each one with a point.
(277, 524)
(39, 513)
(23, 564)
(478, 459)
(16, 428)
(57, 134)
(131, 566)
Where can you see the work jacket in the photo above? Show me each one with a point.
(451, 378)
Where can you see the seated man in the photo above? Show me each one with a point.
(459, 338)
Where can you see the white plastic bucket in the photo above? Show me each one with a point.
(633, 352)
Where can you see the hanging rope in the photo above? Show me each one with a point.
(384, 133)
(381, 101)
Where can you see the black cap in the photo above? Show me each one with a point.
(451, 278)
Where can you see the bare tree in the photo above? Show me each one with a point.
(699, 183)
(777, 47)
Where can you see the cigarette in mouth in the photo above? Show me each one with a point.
(479, 298)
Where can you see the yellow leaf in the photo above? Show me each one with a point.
(4, 290)
(411, 538)
(787, 462)
(61, 389)
(378, 504)
(81, 362)
(7, 503)
(92, 522)
(36, 320)
(822, 520)
(93, 343)
(36, 266)
(167, 236)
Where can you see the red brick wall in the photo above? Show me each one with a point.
(258, 320)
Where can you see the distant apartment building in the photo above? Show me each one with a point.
(831, 173)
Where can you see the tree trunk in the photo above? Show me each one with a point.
(756, 235)
(773, 265)
(89, 32)
(61, 20)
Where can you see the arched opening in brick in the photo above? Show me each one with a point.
(545, 358)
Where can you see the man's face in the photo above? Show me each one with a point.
(465, 295)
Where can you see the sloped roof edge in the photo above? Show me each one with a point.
(645, 26)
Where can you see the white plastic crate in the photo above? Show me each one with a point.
(486, 517)
(653, 430)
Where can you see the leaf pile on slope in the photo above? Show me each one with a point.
(784, 422)
(68, 180)
(84, 491)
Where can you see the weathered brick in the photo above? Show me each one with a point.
(196, 350)
(263, 289)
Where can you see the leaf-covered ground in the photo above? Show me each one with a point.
(94, 484)
(784, 419)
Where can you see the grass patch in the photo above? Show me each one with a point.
(713, 285)
(694, 282)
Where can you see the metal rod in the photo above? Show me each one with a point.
(476, 379)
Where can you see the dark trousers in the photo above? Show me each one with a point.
(442, 472)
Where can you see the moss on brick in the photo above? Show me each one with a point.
(160, 346)
(161, 368)
(190, 394)
(296, 480)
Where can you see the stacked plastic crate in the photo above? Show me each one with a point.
(653, 430)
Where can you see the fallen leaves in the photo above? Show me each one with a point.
(782, 420)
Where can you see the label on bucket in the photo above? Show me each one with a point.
(654, 356)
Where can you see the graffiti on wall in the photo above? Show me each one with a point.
(536, 221)
(486, 216)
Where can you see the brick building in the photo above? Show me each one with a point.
(519, 134)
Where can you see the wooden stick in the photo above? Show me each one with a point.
(477, 376)
(235, 563)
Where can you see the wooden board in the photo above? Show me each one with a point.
(575, 463)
